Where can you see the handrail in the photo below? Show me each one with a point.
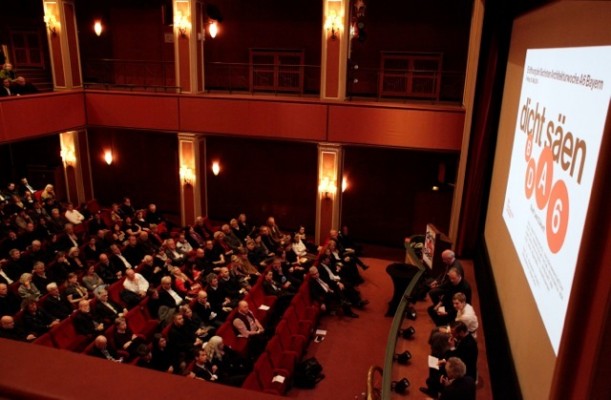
(373, 393)
(397, 321)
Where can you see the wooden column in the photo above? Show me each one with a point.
(328, 201)
(192, 177)
(75, 157)
(189, 45)
(335, 38)
(60, 18)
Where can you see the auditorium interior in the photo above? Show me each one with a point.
(382, 116)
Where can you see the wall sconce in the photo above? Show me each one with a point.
(68, 157)
(213, 28)
(182, 24)
(216, 168)
(402, 358)
(345, 184)
(327, 187)
(186, 175)
(333, 24)
(108, 157)
(400, 386)
(52, 23)
(98, 28)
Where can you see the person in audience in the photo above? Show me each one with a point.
(130, 226)
(75, 292)
(84, 323)
(39, 277)
(162, 359)
(59, 268)
(203, 368)
(283, 277)
(115, 214)
(135, 287)
(443, 311)
(106, 310)
(151, 272)
(134, 251)
(169, 299)
(230, 239)
(55, 304)
(194, 238)
(238, 231)
(8, 330)
(22, 87)
(126, 209)
(231, 369)
(149, 246)
(9, 301)
(194, 322)
(204, 227)
(329, 294)
(35, 252)
(171, 250)
(48, 193)
(348, 254)
(37, 320)
(118, 259)
(73, 215)
(465, 312)
(214, 255)
(101, 349)
(230, 286)
(91, 280)
(109, 272)
(16, 266)
(97, 223)
(68, 239)
(268, 241)
(457, 385)
(257, 255)
(204, 311)
(183, 246)
(27, 290)
(183, 284)
(181, 339)
(347, 242)
(5, 89)
(153, 216)
(284, 296)
(246, 325)
(7, 72)
(76, 263)
(57, 222)
(125, 339)
(440, 345)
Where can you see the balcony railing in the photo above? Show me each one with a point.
(369, 83)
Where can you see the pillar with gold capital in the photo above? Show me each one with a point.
(192, 176)
(77, 170)
(189, 34)
(328, 201)
(335, 40)
(62, 35)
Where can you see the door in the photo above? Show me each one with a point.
(27, 49)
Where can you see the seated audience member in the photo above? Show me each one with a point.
(162, 359)
(300, 249)
(230, 239)
(237, 230)
(203, 368)
(141, 221)
(37, 320)
(440, 345)
(97, 224)
(24, 186)
(68, 239)
(457, 385)
(73, 215)
(125, 339)
(134, 251)
(150, 243)
(231, 369)
(219, 300)
(347, 242)
(75, 292)
(131, 227)
(463, 346)
(59, 268)
(283, 277)
(115, 214)
(169, 299)
(183, 284)
(271, 288)
(273, 247)
(246, 325)
(194, 238)
(77, 265)
(118, 235)
(7, 72)
(194, 322)
(231, 286)
(181, 339)
(346, 252)
(151, 272)
(343, 264)
(135, 288)
(465, 312)
(91, 251)
(204, 227)
(83, 321)
(203, 310)
(5, 89)
(57, 222)
(105, 310)
(55, 304)
(8, 330)
(183, 246)
(126, 209)
(173, 254)
(101, 349)
(39, 277)
(118, 259)
(257, 255)
(109, 272)
(246, 226)
(329, 294)
(241, 268)
(27, 290)
(9, 301)
(16, 266)
(443, 311)
(153, 217)
(91, 280)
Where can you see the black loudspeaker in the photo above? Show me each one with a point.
(400, 386)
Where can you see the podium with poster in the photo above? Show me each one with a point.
(435, 243)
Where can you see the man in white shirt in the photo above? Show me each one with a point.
(135, 284)
(73, 216)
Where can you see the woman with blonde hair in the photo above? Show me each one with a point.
(228, 365)
(27, 290)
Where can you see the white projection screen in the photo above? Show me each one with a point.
(555, 100)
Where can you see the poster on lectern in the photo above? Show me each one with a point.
(560, 122)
